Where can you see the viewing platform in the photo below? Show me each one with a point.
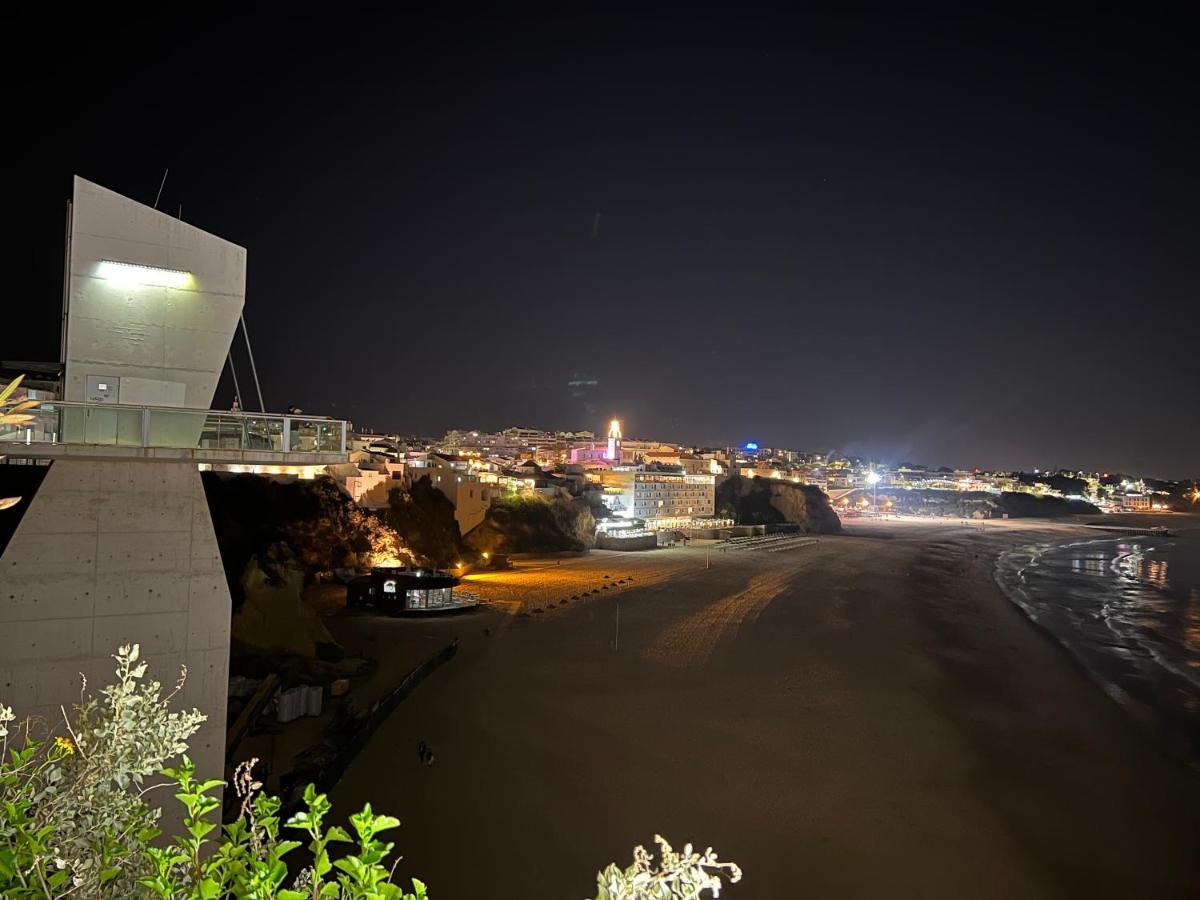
(61, 429)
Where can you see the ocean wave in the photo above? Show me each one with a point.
(1128, 609)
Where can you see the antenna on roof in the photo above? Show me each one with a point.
(158, 196)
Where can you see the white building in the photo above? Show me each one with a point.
(661, 499)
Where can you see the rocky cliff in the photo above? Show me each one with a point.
(534, 525)
(320, 524)
(979, 504)
(765, 501)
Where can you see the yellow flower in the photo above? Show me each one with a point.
(64, 744)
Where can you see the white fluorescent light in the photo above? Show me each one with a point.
(132, 273)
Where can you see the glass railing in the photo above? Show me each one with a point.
(110, 425)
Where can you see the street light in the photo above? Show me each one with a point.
(873, 480)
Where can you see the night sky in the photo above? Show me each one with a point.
(960, 239)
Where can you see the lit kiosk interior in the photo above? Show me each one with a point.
(403, 591)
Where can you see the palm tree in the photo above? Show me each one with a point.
(12, 412)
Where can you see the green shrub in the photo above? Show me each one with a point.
(74, 814)
(678, 876)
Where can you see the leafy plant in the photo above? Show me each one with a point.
(678, 876)
(248, 859)
(75, 816)
(12, 412)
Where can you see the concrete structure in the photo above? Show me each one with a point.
(661, 499)
(590, 455)
(114, 552)
(150, 307)
(630, 452)
(369, 483)
(117, 545)
(700, 465)
(634, 542)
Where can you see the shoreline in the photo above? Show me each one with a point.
(871, 715)
(1107, 670)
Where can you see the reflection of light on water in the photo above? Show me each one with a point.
(1135, 565)
(1089, 565)
(1155, 571)
(1128, 609)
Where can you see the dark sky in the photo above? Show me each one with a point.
(964, 239)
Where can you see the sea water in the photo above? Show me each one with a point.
(1129, 610)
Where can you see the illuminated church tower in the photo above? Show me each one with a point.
(614, 441)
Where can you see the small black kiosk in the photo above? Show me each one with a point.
(400, 590)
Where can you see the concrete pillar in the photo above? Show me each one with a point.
(113, 552)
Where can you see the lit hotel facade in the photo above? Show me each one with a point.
(661, 499)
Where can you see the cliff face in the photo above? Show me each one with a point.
(981, 505)
(534, 525)
(765, 501)
(273, 619)
(1018, 505)
(322, 526)
(424, 519)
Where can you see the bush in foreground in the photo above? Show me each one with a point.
(74, 820)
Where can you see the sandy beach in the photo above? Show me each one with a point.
(868, 716)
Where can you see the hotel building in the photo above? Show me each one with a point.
(662, 499)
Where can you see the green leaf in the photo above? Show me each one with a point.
(352, 866)
(321, 864)
(200, 829)
(382, 823)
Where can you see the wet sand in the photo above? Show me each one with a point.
(867, 717)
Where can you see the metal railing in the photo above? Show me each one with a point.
(112, 425)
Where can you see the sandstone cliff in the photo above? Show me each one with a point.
(765, 501)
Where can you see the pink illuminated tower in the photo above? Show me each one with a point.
(614, 441)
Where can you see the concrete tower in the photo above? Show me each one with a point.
(117, 545)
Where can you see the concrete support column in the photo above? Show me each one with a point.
(112, 552)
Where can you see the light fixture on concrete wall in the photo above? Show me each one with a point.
(132, 273)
